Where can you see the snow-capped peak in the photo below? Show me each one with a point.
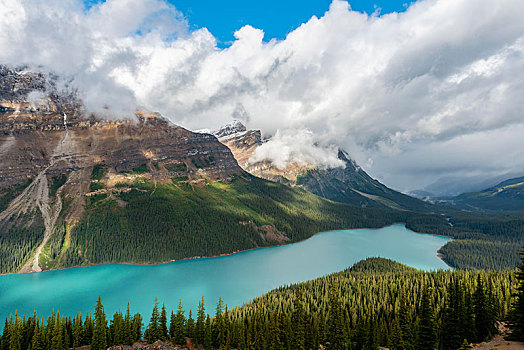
(228, 130)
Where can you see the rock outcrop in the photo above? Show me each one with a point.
(243, 143)
(158, 345)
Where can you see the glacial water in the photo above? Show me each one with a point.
(236, 278)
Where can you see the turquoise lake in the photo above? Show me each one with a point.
(236, 278)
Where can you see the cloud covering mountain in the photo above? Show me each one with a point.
(433, 91)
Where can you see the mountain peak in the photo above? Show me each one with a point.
(230, 129)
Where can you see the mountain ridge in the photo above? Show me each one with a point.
(50, 148)
(77, 189)
(348, 184)
(507, 195)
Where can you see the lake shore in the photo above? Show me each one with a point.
(238, 277)
(438, 254)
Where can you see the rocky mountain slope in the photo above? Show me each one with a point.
(349, 184)
(49, 151)
(76, 189)
(507, 195)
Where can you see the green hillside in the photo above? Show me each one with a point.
(150, 222)
(160, 222)
(381, 303)
(507, 195)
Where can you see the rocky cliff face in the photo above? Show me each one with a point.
(52, 153)
(243, 143)
(349, 184)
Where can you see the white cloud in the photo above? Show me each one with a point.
(392, 90)
(297, 146)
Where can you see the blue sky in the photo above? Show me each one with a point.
(276, 17)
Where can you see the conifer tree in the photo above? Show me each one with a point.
(336, 320)
(36, 341)
(201, 318)
(137, 327)
(172, 325)
(128, 328)
(190, 326)
(163, 324)
(483, 324)
(208, 334)
(179, 330)
(219, 332)
(99, 341)
(116, 329)
(405, 323)
(153, 332)
(78, 331)
(249, 342)
(27, 330)
(469, 317)
(57, 340)
(275, 342)
(88, 329)
(396, 342)
(453, 317)
(259, 338)
(517, 312)
(426, 329)
(465, 345)
(298, 319)
(177, 325)
(15, 334)
(66, 331)
(6, 335)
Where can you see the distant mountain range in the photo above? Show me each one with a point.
(349, 184)
(448, 187)
(352, 185)
(507, 195)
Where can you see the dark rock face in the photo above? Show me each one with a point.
(352, 185)
(34, 92)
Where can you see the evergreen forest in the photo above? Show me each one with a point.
(375, 303)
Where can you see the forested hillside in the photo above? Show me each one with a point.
(507, 195)
(155, 222)
(481, 240)
(145, 222)
(375, 303)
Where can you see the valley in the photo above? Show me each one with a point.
(79, 190)
(236, 278)
(140, 208)
(261, 175)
